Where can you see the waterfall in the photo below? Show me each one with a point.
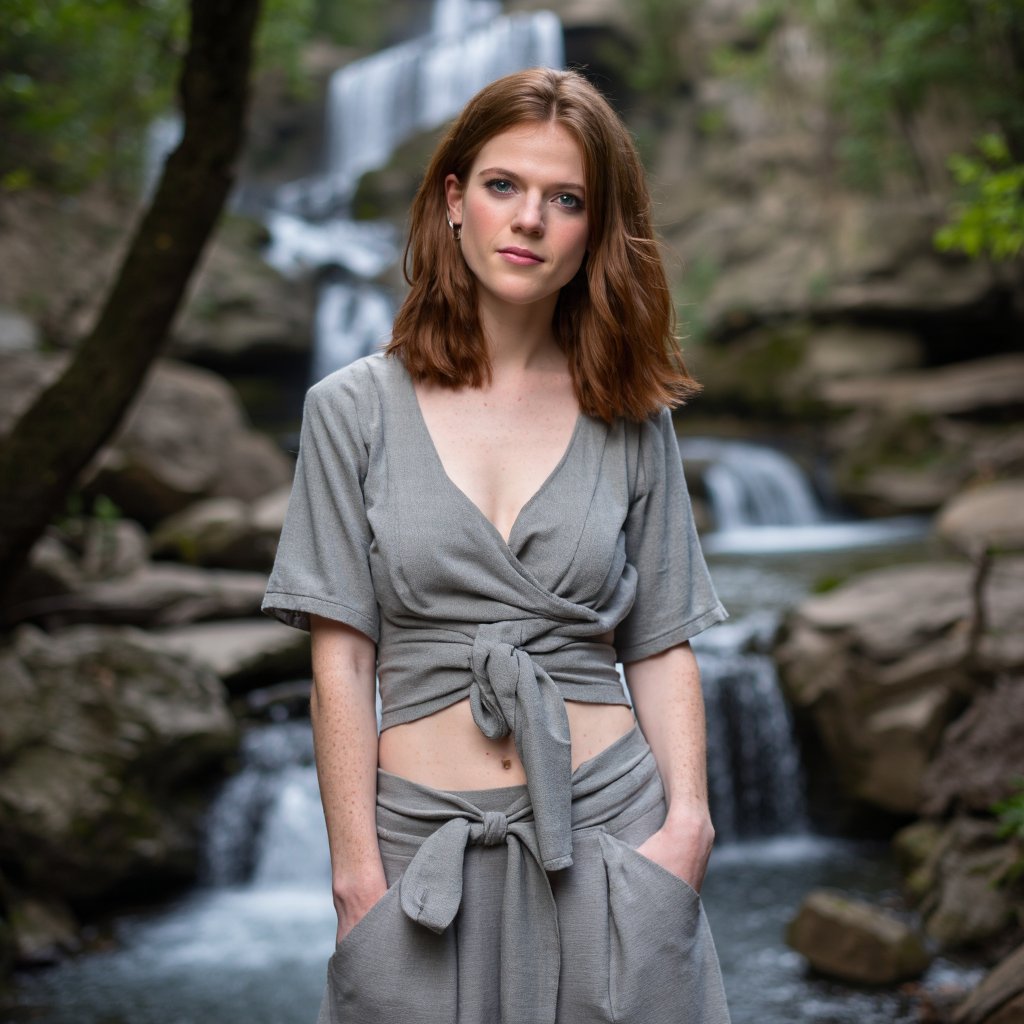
(753, 485)
(755, 776)
(373, 106)
(761, 501)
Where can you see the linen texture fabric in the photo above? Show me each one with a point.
(615, 938)
(378, 537)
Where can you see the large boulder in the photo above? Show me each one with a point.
(243, 653)
(156, 594)
(888, 460)
(958, 873)
(242, 312)
(911, 441)
(224, 532)
(881, 665)
(107, 754)
(986, 386)
(999, 999)
(186, 437)
(990, 515)
(855, 941)
(980, 755)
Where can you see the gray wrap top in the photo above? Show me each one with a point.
(378, 537)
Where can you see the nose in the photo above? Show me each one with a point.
(529, 215)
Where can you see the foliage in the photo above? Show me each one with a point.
(81, 80)
(651, 67)
(890, 59)
(989, 219)
(350, 23)
(1010, 813)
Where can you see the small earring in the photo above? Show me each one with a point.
(456, 229)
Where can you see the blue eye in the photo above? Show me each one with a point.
(569, 202)
(500, 185)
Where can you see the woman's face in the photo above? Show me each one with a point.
(522, 207)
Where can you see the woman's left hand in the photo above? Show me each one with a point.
(682, 847)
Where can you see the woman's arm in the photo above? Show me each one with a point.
(669, 705)
(343, 713)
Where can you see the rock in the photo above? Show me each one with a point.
(17, 332)
(106, 757)
(159, 594)
(224, 532)
(244, 653)
(185, 438)
(999, 999)
(843, 351)
(915, 847)
(980, 754)
(855, 941)
(988, 516)
(44, 929)
(982, 385)
(889, 462)
(966, 902)
(241, 311)
(68, 557)
(882, 664)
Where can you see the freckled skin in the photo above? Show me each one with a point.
(522, 207)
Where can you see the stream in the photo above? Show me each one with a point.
(251, 943)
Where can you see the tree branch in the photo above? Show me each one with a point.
(69, 421)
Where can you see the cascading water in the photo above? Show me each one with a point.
(374, 105)
(762, 501)
(250, 944)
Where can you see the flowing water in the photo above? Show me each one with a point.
(373, 106)
(250, 945)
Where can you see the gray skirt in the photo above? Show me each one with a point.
(472, 930)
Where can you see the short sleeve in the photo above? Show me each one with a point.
(675, 598)
(322, 563)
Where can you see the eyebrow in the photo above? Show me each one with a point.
(501, 172)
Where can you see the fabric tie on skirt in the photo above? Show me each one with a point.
(430, 892)
(512, 694)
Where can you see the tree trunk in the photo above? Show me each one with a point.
(50, 445)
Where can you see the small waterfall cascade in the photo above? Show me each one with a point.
(761, 501)
(266, 828)
(755, 777)
(753, 485)
(374, 105)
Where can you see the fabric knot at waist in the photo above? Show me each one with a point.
(510, 693)
(446, 825)
(494, 829)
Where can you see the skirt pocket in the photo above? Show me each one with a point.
(390, 970)
(662, 964)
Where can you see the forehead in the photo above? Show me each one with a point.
(545, 150)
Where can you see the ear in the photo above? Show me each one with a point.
(453, 196)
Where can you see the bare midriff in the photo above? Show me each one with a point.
(447, 750)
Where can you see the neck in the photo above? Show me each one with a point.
(519, 337)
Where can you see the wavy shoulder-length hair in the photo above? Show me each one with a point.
(615, 320)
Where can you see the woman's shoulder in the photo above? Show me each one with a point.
(353, 378)
(362, 386)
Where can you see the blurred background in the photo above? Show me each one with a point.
(839, 186)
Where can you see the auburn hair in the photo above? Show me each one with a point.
(615, 320)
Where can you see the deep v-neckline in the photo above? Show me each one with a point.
(421, 422)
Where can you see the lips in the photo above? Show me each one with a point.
(521, 256)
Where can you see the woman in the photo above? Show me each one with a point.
(488, 516)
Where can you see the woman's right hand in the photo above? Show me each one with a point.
(354, 898)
